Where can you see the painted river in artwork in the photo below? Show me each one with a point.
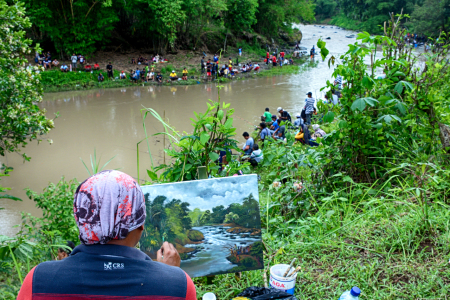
(212, 254)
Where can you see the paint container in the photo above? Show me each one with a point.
(281, 283)
(209, 296)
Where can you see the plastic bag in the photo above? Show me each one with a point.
(262, 293)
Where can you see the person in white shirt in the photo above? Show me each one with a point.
(256, 156)
(74, 60)
(335, 99)
(298, 121)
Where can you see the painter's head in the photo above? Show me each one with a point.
(109, 206)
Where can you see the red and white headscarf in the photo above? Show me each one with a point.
(107, 206)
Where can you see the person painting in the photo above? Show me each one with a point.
(109, 210)
(65, 252)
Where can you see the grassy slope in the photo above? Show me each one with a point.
(383, 250)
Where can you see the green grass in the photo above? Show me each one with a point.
(379, 244)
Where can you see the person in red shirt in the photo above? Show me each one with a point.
(267, 57)
(110, 212)
(282, 55)
(274, 61)
(96, 66)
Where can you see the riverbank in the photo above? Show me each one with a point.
(57, 81)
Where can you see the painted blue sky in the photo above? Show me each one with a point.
(206, 194)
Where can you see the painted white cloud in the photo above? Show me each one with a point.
(206, 194)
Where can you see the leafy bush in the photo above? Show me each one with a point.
(56, 203)
(248, 262)
(195, 235)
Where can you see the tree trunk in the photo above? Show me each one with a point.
(444, 134)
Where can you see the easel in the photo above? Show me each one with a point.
(202, 174)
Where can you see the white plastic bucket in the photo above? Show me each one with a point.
(281, 283)
(209, 296)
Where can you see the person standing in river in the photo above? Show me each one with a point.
(109, 210)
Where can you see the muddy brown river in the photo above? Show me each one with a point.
(110, 121)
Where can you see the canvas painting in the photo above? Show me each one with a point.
(215, 224)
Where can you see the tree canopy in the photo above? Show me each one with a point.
(84, 26)
(428, 17)
(21, 118)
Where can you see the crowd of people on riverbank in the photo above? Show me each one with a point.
(274, 127)
(145, 68)
(413, 39)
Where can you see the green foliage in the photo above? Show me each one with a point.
(56, 203)
(95, 165)
(20, 92)
(213, 132)
(84, 27)
(427, 16)
(241, 14)
(379, 114)
(166, 221)
(431, 18)
(38, 239)
(195, 235)
(325, 8)
(73, 26)
(245, 214)
(274, 15)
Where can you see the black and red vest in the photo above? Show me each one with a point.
(108, 272)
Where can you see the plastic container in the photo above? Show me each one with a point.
(351, 295)
(209, 296)
(281, 283)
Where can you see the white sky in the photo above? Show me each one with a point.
(206, 194)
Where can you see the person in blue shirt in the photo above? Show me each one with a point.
(137, 74)
(216, 58)
(274, 124)
(248, 147)
(298, 122)
(265, 132)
